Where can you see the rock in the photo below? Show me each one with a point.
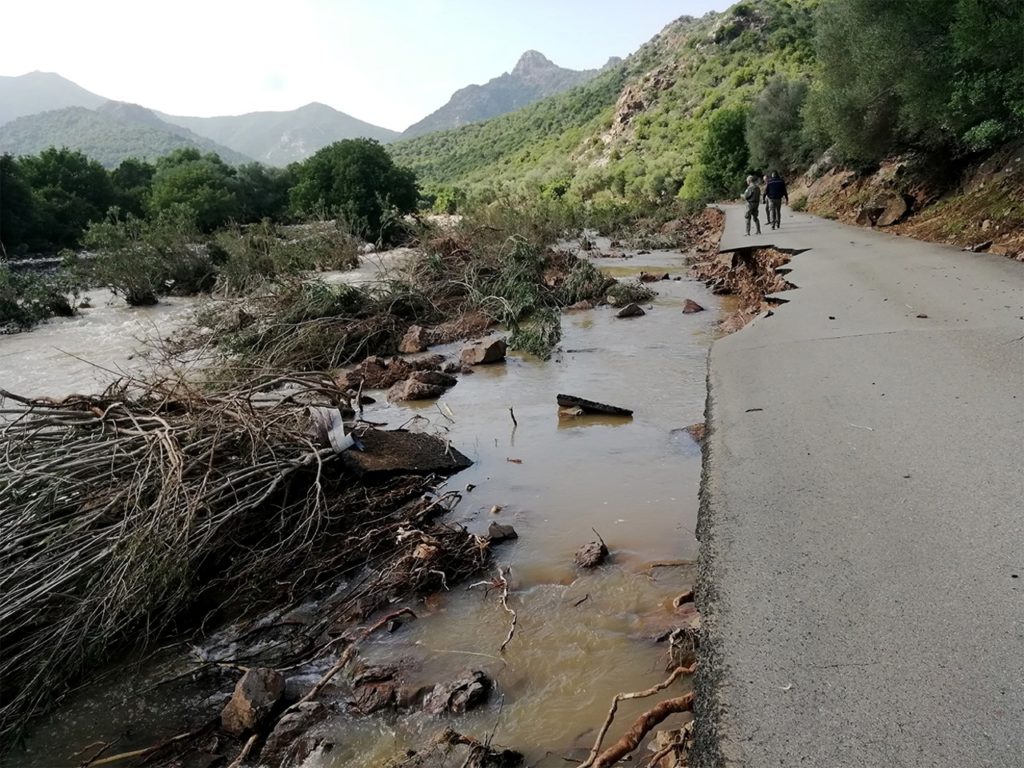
(379, 373)
(590, 406)
(867, 215)
(387, 454)
(375, 697)
(485, 351)
(579, 306)
(667, 740)
(422, 385)
(630, 310)
(697, 431)
(690, 306)
(647, 277)
(986, 225)
(673, 226)
(411, 696)
(416, 339)
(979, 247)
(497, 533)
(895, 209)
(591, 555)
(451, 366)
(256, 694)
(458, 696)
(288, 743)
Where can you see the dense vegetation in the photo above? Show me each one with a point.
(865, 78)
(188, 223)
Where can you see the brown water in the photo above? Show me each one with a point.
(633, 480)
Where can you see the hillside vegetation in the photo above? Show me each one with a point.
(635, 130)
(767, 84)
(112, 133)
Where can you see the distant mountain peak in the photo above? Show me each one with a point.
(532, 62)
(534, 77)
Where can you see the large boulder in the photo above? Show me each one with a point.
(421, 385)
(388, 454)
(894, 209)
(289, 744)
(484, 351)
(416, 339)
(255, 696)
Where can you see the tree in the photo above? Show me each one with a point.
(775, 132)
(204, 184)
(357, 180)
(724, 158)
(18, 208)
(133, 185)
(937, 75)
(262, 192)
(70, 191)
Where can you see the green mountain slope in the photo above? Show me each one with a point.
(533, 78)
(37, 92)
(635, 129)
(279, 138)
(108, 135)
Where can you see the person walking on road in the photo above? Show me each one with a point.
(775, 192)
(767, 207)
(752, 196)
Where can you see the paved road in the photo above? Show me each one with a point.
(862, 527)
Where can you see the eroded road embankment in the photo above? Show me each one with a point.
(862, 544)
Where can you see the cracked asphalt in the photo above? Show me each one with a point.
(862, 522)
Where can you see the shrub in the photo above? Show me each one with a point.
(29, 298)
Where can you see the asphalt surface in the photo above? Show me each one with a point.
(862, 522)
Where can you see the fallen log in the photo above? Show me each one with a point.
(590, 406)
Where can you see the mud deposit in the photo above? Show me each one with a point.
(581, 636)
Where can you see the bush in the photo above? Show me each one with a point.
(142, 260)
(250, 257)
(799, 203)
(723, 159)
(29, 298)
(775, 131)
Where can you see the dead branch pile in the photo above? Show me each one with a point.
(121, 513)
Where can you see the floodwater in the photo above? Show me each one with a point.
(581, 636)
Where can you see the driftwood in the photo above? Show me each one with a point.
(643, 724)
(590, 406)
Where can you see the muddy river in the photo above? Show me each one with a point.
(581, 637)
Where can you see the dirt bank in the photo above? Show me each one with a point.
(980, 207)
(752, 276)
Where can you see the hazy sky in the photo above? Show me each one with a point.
(390, 62)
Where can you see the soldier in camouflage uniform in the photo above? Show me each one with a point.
(752, 196)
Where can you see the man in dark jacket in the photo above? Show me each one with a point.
(775, 191)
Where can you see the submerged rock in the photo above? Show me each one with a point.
(458, 696)
(484, 351)
(256, 694)
(289, 743)
(631, 310)
(497, 533)
(690, 306)
(591, 555)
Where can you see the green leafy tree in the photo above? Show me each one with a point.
(357, 180)
(18, 208)
(204, 184)
(929, 74)
(724, 158)
(70, 191)
(262, 192)
(775, 132)
(133, 185)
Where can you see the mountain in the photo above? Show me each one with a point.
(279, 138)
(40, 92)
(109, 134)
(635, 129)
(533, 78)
